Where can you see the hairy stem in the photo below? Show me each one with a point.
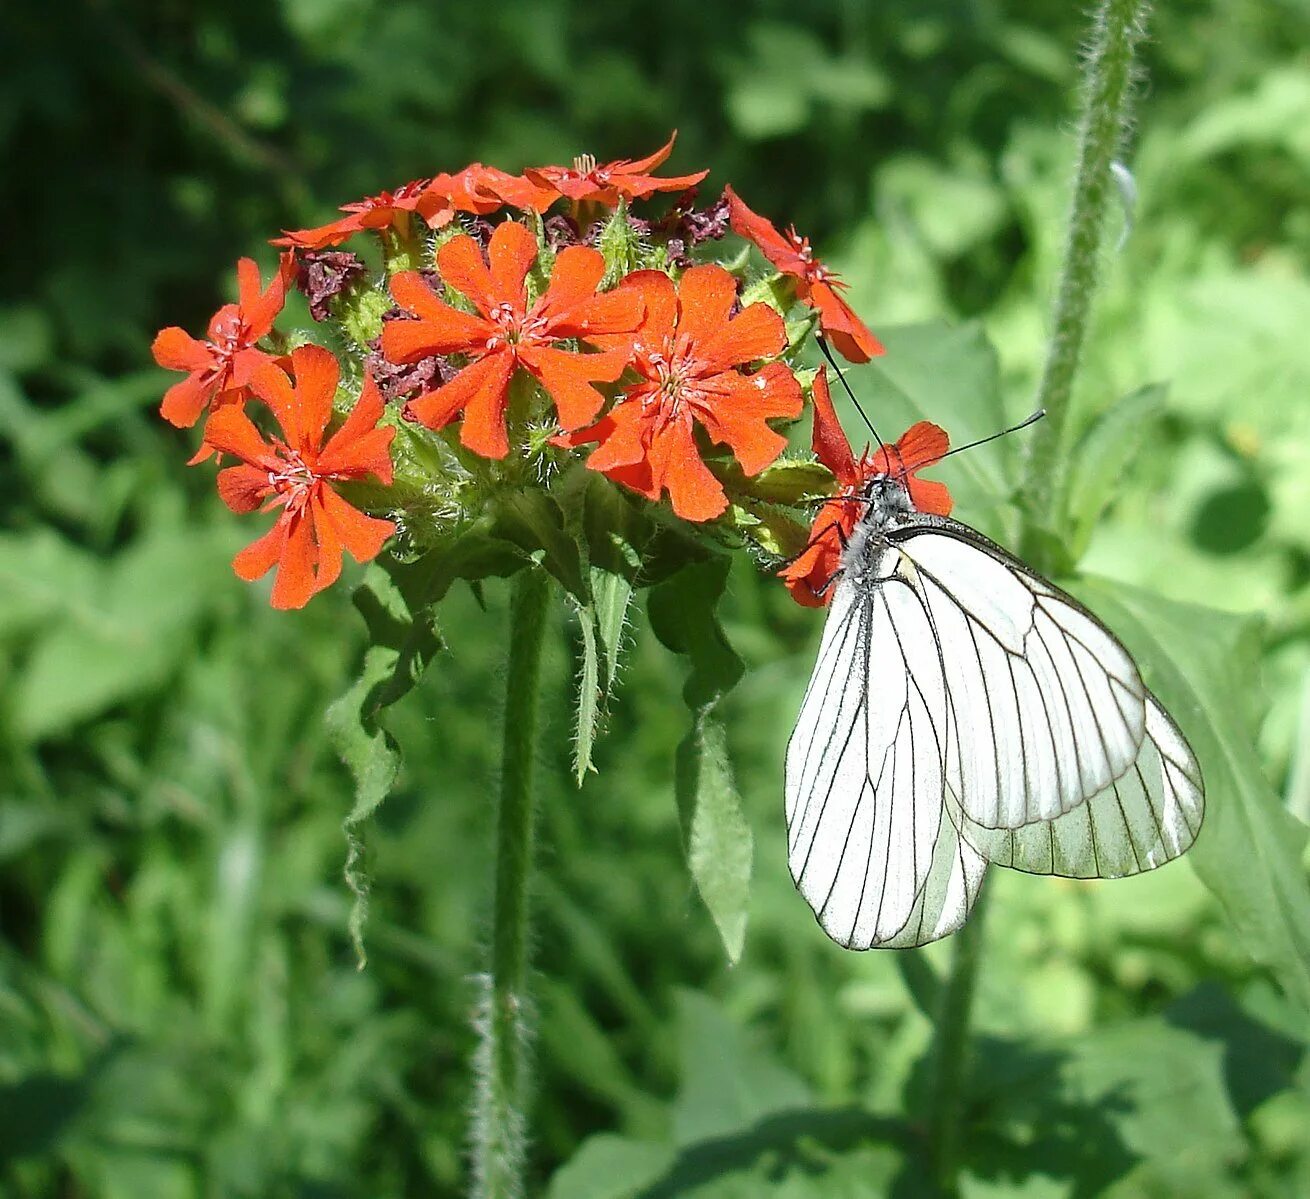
(500, 1116)
(1107, 92)
(950, 1056)
(1107, 99)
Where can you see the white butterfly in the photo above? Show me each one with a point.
(962, 712)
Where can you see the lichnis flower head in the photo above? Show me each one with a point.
(219, 367)
(688, 356)
(809, 575)
(507, 334)
(816, 285)
(605, 183)
(293, 472)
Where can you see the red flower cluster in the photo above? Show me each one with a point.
(809, 574)
(506, 334)
(662, 370)
(689, 358)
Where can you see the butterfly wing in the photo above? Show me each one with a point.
(869, 844)
(963, 710)
(1050, 707)
(1150, 815)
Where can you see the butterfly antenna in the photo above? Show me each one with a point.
(1030, 419)
(841, 378)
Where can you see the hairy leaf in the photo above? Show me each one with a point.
(716, 835)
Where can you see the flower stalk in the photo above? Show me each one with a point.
(950, 1054)
(503, 1064)
(1109, 72)
(1117, 29)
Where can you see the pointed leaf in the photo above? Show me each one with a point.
(1199, 662)
(716, 834)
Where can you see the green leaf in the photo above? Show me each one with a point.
(716, 835)
(401, 643)
(1102, 457)
(611, 1167)
(103, 631)
(727, 1083)
(1200, 662)
(602, 623)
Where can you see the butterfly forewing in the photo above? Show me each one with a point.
(1056, 707)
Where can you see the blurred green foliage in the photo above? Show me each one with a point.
(179, 1010)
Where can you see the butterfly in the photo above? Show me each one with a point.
(963, 712)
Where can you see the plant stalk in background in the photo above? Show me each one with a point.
(1107, 102)
(1117, 29)
(503, 1083)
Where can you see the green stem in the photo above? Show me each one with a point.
(1117, 29)
(500, 1116)
(950, 1058)
(1107, 99)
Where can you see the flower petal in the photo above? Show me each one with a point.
(638, 187)
(440, 328)
(359, 448)
(294, 585)
(185, 400)
(921, 445)
(577, 273)
(487, 380)
(765, 236)
(461, 266)
(831, 446)
(243, 488)
(317, 373)
(230, 431)
(928, 495)
(511, 252)
(364, 536)
(744, 403)
(621, 434)
(568, 377)
(843, 328)
(177, 350)
(270, 383)
(809, 575)
(676, 467)
(756, 332)
(641, 166)
(258, 558)
(259, 310)
(705, 297)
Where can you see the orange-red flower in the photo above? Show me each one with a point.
(316, 524)
(605, 183)
(808, 576)
(373, 212)
(505, 334)
(218, 369)
(816, 285)
(689, 354)
(483, 189)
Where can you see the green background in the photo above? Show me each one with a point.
(180, 1013)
